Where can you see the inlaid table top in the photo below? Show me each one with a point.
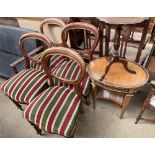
(117, 75)
(122, 20)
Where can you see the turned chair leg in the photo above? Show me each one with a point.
(81, 108)
(39, 131)
(17, 105)
(86, 98)
(73, 135)
(141, 112)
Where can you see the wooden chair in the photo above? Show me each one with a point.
(33, 60)
(28, 83)
(87, 48)
(52, 28)
(149, 103)
(56, 109)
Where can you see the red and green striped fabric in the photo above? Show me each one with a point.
(71, 70)
(25, 86)
(55, 60)
(55, 110)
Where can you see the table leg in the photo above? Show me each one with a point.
(101, 39)
(107, 39)
(94, 86)
(142, 42)
(125, 104)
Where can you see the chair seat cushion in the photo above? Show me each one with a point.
(54, 62)
(70, 70)
(25, 86)
(55, 110)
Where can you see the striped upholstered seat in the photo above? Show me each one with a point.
(47, 27)
(25, 86)
(55, 110)
(70, 70)
(54, 62)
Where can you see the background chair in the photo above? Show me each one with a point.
(149, 103)
(52, 28)
(33, 59)
(28, 83)
(86, 48)
(56, 109)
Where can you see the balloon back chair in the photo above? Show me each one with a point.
(56, 109)
(52, 28)
(88, 46)
(85, 50)
(28, 83)
(149, 103)
(33, 60)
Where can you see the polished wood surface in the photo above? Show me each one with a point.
(117, 75)
(118, 85)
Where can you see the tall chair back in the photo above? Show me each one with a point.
(52, 28)
(87, 48)
(72, 56)
(31, 36)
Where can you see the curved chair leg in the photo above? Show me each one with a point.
(17, 104)
(73, 134)
(86, 100)
(81, 108)
(39, 131)
(141, 112)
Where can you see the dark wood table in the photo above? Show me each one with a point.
(117, 22)
(118, 85)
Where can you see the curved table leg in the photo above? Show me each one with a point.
(125, 64)
(114, 60)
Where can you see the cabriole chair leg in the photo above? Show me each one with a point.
(17, 105)
(86, 98)
(39, 131)
(141, 112)
(81, 108)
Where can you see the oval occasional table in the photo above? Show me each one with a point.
(118, 85)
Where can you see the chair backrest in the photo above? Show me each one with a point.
(69, 54)
(87, 48)
(52, 28)
(33, 36)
